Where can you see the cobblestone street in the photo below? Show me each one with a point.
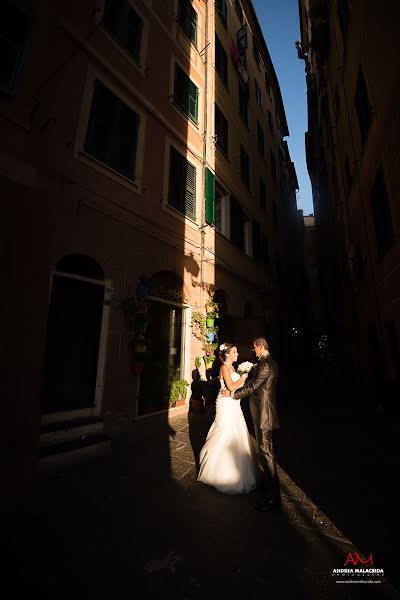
(137, 524)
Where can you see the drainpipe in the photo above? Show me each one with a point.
(203, 219)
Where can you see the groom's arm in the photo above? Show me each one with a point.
(260, 377)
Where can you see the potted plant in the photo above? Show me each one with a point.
(177, 392)
(212, 307)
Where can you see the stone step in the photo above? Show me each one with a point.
(69, 430)
(75, 450)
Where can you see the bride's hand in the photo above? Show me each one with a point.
(244, 377)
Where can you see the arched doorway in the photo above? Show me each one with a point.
(77, 319)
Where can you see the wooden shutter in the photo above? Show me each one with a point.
(193, 94)
(190, 192)
(182, 184)
(210, 197)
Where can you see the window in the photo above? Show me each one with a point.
(239, 11)
(358, 266)
(393, 344)
(267, 84)
(14, 33)
(244, 166)
(258, 93)
(222, 11)
(125, 25)
(271, 125)
(260, 138)
(275, 214)
(112, 132)
(187, 19)
(210, 197)
(273, 164)
(182, 184)
(243, 101)
(237, 220)
(278, 266)
(256, 238)
(222, 210)
(348, 174)
(221, 130)
(221, 61)
(337, 101)
(265, 260)
(363, 107)
(186, 94)
(381, 215)
(256, 51)
(343, 16)
(263, 194)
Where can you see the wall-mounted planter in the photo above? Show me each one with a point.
(210, 336)
(210, 323)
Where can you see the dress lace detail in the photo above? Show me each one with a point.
(227, 458)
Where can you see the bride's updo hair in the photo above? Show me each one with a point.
(224, 349)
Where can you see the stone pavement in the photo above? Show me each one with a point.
(137, 524)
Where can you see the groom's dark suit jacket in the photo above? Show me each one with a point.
(261, 389)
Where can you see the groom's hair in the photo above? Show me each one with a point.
(261, 341)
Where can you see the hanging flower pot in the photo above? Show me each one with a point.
(210, 323)
(140, 347)
(210, 336)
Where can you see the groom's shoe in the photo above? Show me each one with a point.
(269, 504)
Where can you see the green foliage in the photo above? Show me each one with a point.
(178, 389)
(198, 325)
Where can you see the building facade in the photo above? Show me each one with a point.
(352, 148)
(142, 159)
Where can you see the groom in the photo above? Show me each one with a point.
(261, 389)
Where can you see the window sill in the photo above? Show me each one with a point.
(181, 112)
(177, 214)
(109, 171)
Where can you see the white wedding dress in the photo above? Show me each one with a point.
(227, 458)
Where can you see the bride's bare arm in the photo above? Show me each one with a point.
(230, 384)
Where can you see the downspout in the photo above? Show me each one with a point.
(203, 208)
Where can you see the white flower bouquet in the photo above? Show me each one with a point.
(244, 367)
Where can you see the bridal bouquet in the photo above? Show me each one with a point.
(244, 367)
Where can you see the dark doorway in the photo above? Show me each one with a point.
(72, 345)
(164, 332)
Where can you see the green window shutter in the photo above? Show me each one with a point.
(190, 196)
(193, 96)
(210, 197)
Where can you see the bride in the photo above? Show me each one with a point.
(227, 458)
